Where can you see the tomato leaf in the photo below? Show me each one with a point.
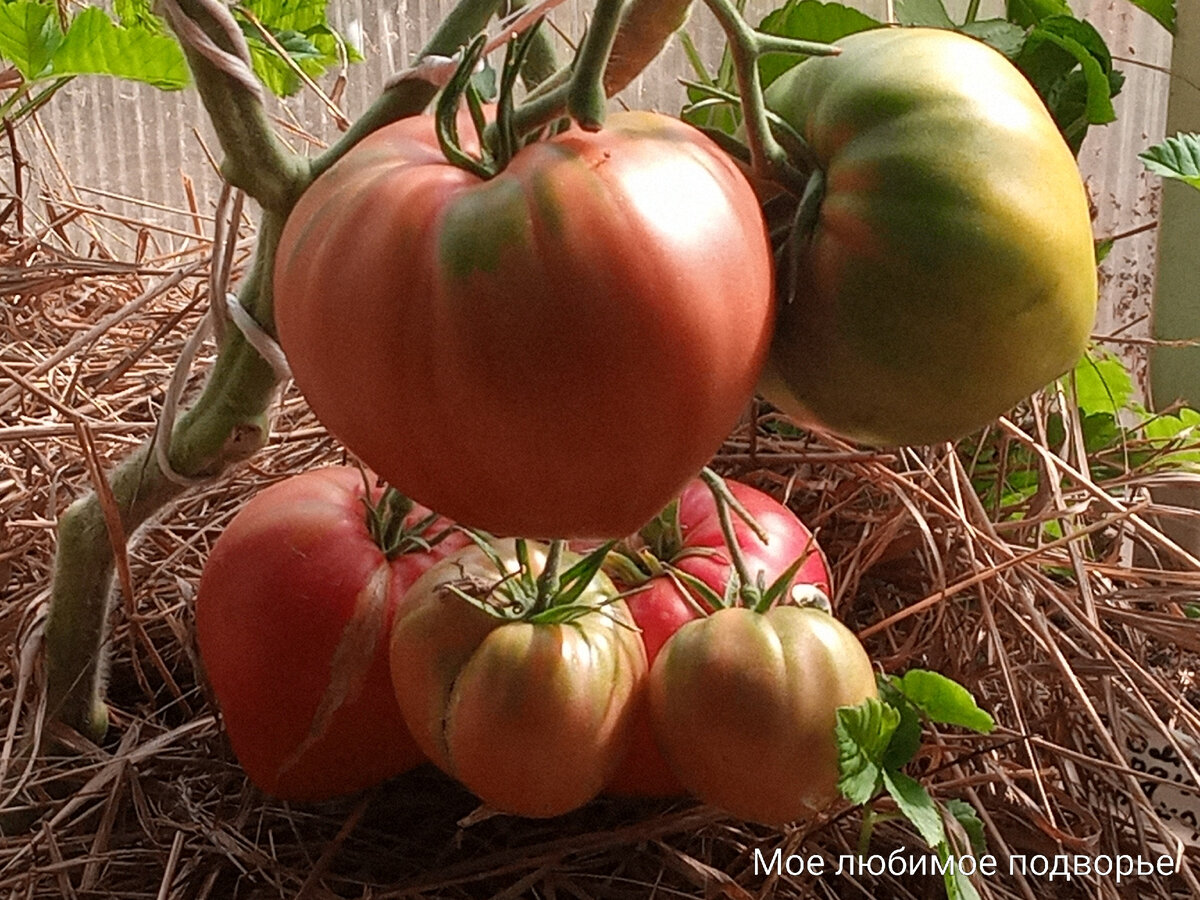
(1177, 157)
(810, 20)
(943, 700)
(998, 34)
(1027, 13)
(966, 816)
(96, 45)
(29, 35)
(863, 734)
(923, 12)
(906, 740)
(1102, 385)
(919, 808)
(1163, 11)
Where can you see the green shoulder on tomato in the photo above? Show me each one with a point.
(950, 271)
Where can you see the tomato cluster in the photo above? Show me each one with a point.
(537, 683)
(554, 350)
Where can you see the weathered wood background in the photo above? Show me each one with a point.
(101, 139)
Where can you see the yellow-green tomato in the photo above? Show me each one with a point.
(744, 707)
(531, 717)
(950, 271)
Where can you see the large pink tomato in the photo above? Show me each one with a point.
(293, 617)
(551, 352)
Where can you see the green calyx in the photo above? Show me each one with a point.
(500, 144)
(388, 525)
(548, 597)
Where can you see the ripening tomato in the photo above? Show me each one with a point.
(744, 706)
(552, 352)
(293, 614)
(950, 271)
(529, 711)
(688, 537)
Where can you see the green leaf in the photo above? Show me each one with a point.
(999, 34)
(810, 20)
(1082, 41)
(1027, 13)
(1102, 384)
(943, 700)
(917, 806)
(863, 734)
(1162, 10)
(923, 12)
(308, 42)
(1177, 157)
(96, 45)
(966, 816)
(906, 739)
(29, 35)
(139, 14)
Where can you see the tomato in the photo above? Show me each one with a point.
(689, 538)
(530, 715)
(552, 352)
(293, 614)
(744, 706)
(951, 269)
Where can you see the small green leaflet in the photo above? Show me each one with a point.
(29, 35)
(923, 12)
(33, 41)
(809, 20)
(1102, 384)
(96, 45)
(966, 816)
(943, 700)
(998, 34)
(918, 807)
(1029, 12)
(863, 735)
(1177, 157)
(1163, 11)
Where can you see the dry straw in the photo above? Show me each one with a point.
(1067, 622)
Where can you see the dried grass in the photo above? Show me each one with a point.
(1071, 643)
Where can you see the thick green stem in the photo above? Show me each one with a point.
(586, 99)
(255, 159)
(548, 580)
(972, 12)
(227, 423)
(767, 157)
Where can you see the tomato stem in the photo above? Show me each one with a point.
(446, 116)
(767, 157)
(508, 141)
(548, 581)
(586, 99)
(725, 501)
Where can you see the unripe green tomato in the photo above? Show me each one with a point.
(744, 707)
(531, 717)
(951, 270)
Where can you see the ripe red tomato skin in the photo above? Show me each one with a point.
(531, 717)
(411, 299)
(293, 575)
(744, 707)
(659, 609)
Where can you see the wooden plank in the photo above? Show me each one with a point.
(1176, 371)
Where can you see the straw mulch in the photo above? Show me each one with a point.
(1078, 646)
